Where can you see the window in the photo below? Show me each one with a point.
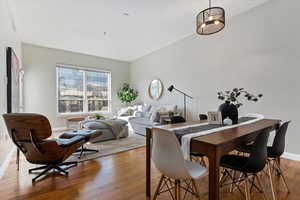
(82, 91)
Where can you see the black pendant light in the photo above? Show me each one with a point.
(210, 20)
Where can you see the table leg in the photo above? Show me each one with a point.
(214, 177)
(148, 163)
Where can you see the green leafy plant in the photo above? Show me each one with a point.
(171, 114)
(234, 95)
(98, 116)
(127, 94)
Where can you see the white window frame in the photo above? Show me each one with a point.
(85, 101)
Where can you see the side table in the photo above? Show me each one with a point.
(74, 120)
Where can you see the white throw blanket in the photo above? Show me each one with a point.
(186, 139)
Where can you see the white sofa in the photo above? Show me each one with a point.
(148, 116)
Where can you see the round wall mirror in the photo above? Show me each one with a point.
(155, 89)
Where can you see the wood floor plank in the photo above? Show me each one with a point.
(119, 177)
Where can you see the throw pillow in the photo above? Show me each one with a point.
(155, 117)
(146, 108)
(126, 112)
(154, 114)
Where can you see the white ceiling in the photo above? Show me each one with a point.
(79, 25)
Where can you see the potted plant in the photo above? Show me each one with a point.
(232, 103)
(127, 94)
(97, 116)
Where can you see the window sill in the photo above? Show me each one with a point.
(66, 115)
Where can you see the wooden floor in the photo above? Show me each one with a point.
(117, 177)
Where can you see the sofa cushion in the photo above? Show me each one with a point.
(137, 107)
(139, 114)
(147, 115)
(141, 121)
(94, 125)
(128, 111)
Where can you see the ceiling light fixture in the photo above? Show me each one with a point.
(210, 20)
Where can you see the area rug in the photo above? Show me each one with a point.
(111, 147)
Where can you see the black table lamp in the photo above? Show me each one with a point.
(171, 88)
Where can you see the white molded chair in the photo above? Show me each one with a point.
(177, 173)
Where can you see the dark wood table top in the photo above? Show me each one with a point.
(227, 135)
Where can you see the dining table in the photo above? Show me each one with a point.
(213, 146)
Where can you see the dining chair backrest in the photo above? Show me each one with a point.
(278, 145)
(177, 119)
(167, 154)
(258, 156)
(203, 117)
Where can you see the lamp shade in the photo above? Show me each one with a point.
(210, 20)
(171, 88)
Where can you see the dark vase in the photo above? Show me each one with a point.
(229, 110)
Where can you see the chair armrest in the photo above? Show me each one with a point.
(69, 142)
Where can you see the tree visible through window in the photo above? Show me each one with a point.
(82, 90)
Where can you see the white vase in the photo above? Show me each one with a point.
(227, 121)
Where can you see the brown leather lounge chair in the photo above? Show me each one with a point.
(31, 132)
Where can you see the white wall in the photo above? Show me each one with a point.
(258, 50)
(8, 38)
(40, 77)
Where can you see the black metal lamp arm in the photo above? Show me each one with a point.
(183, 93)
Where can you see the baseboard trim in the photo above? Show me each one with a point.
(5, 164)
(291, 156)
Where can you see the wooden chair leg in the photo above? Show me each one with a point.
(203, 161)
(222, 175)
(196, 189)
(158, 187)
(282, 176)
(233, 177)
(247, 191)
(175, 190)
(200, 160)
(237, 183)
(271, 181)
(261, 186)
(178, 190)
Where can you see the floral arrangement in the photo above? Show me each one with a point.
(234, 95)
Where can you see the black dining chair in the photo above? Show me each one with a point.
(177, 119)
(274, 152)
(249, 167)
(203, 117)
